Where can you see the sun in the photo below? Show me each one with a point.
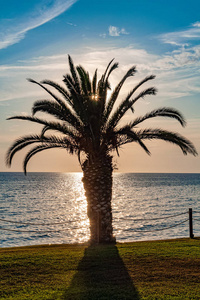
(94, 97)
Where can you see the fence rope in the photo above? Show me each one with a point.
(72, 221)
(198, 220)
(32, 223)
(154, 219)
(49, 231)
(157, 229)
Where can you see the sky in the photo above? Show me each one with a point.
(159, 37)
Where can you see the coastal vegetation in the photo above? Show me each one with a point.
(88, 123)
(168, 269)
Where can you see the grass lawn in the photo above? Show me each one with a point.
(140, 270)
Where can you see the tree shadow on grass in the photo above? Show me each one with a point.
(101, 275)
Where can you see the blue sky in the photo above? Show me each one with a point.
(160, 37)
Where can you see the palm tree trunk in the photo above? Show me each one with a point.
(97, 180)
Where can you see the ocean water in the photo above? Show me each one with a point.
(50, 208)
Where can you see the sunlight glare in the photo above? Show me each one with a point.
(95, 97)
(80, 209)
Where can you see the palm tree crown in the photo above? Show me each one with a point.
(87, 121)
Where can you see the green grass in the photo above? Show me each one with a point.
(140, 270)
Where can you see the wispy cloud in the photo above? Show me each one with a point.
(14, 33)
(196, 24)
(103, 35)
(71, 24)
(182, 37)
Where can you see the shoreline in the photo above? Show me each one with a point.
(85, 244)
(74, 172)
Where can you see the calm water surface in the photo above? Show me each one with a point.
(56, 202)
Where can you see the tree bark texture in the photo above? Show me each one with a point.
(97, 180)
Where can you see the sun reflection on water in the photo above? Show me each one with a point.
(79, 211)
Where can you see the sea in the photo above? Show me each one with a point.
(51, 208)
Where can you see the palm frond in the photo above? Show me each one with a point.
(85, 80)
(74, 95)
(106, 70)
(74, 75)
(29, 118)
(147, 78)
(105, 87)
(77, 99)
(69, 82)
(112, 68)
(94, 83)
(34, 151)
(116, 91)
(101, 83)
(73, 99)
(49, 143)
(160, 112)
(55, 110)
(51, 108)
(175, 138)
(40, 148)
(126, 105)
(128, 136)
(60, 89)
(20, 144)
(44, 143)
(61, 102)
(62, 128)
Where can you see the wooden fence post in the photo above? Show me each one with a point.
(191, 224)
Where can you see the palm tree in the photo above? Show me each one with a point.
(87, 123)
